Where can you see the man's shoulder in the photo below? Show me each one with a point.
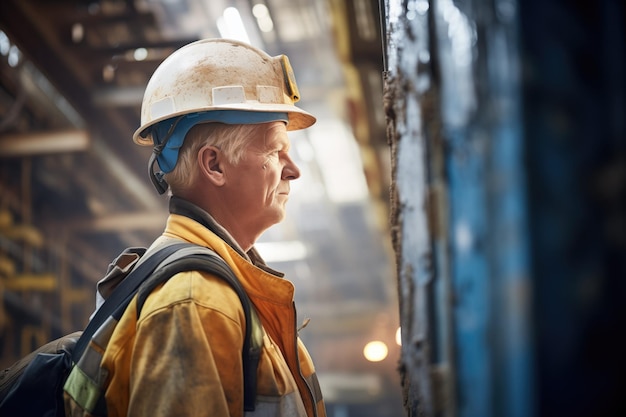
(202, 291)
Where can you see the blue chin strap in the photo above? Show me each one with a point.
(168, 136)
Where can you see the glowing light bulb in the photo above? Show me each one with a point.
(375, 351)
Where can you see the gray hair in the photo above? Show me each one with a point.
(230, 139)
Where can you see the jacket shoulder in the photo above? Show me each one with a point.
(195, 289)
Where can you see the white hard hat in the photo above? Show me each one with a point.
(220, 74)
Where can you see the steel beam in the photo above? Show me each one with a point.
(29, 144)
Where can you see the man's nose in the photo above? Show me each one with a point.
(291, 170)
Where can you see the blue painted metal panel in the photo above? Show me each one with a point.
(470, 276)
(489, 263)
(528, 294)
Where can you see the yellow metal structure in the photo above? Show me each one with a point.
(31, 282)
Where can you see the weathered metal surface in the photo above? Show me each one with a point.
(409, 98)
(460, 212)
(507, 127)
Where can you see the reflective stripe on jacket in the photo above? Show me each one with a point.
(182, 356)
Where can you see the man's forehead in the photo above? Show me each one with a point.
(275, 132)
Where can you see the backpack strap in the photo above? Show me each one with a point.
(198, 258)
(156, 268)
(122, 295)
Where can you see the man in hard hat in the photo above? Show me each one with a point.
(217, 113)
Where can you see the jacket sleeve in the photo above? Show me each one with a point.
(187, 359)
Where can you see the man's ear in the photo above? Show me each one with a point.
(210, 161)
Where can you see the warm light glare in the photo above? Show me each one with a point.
(263, 18)
(399, 336)
(282, 251)
(140, 54)
(375, 351)
(78, 32)
(231, 26)
(338, 156)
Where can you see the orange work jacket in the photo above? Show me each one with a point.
(182, 356)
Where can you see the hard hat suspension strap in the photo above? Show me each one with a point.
(157, 177)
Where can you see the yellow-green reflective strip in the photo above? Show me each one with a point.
(257, 330)
(82, 389)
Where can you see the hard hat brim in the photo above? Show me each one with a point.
(298, 118)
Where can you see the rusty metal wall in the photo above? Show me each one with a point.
(507, 126)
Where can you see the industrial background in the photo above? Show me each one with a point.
(465, 180)
(74, 189)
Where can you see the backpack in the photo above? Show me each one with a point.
(71, 364)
